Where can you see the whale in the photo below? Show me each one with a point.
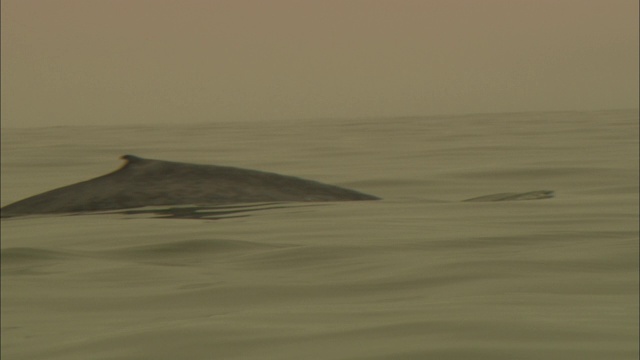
(144, 182)
(184, 190)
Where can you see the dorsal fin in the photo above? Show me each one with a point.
(131, 158)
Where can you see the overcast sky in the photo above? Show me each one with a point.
(92, 62)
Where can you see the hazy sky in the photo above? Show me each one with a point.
(90, 62)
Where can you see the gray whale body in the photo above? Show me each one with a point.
(146, 182)
(195, 191)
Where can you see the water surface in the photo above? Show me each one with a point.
(417, 275)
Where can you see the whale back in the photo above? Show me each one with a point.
(145, 182)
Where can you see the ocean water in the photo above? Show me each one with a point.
(417, 275)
